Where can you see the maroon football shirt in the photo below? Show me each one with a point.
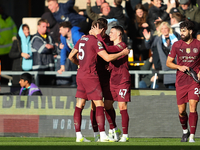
(88, 47)
(187, 55)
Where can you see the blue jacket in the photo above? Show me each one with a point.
(76, 35)
(67, 13)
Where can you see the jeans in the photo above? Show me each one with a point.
(142, 84)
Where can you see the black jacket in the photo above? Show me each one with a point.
(53, 29)
(154, 13)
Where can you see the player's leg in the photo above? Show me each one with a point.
(125, 121)
(183, 117)
(94, 122)
(100, 118)
(114, 132)
(193, 118)
(80, 103)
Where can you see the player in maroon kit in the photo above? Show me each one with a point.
(104, 78)
(120, 81)
(187, 52)
(88, 85)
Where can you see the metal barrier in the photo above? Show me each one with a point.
(69, 73)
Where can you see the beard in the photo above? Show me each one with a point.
(185, 38)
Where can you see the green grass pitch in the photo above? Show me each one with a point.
(50, 143)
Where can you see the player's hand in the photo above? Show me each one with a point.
(183, 68)
(96, 30)
(126, 51)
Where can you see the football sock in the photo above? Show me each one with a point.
(96, 133)
(77, 119)
(185, 131)
(125, 121)
(193, 117)
(191, 136)
(100, 118)
(93, 120)
(125, 135)
(103, 134)
(111, 115)
(184, 121)
(79, 135)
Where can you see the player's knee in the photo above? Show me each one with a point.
(182, 113)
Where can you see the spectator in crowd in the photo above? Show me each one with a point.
(28, 88)
(159, 12)
(8, 30)
(53, 31)
(53, 26)
(96, 9)
(69, 36)
(164, 42)
(106, 13)
(176, 19)
(148, 79)
(65, 12)
(150, 43)
(138, 24)
(191, 12)
(21, 52)
(117, 13)
(42, 46)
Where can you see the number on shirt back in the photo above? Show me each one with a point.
(81, 51)
(122, 92)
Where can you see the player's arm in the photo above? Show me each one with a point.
(110, 57)
(172, 65)
(72, 56)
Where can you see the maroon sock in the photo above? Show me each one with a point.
(100, 118)
(193, 117)
(77, 119)
(184, 121)
(111, 115)
(93, 120)
(125, 120)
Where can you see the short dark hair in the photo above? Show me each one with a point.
(25, 25)
(42, 20)
(26, 77)
(65, 24)
(178, 16)
(119, 28)
(187, 24)
(104, 22)
(118, 2)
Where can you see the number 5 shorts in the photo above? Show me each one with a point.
(89, 88)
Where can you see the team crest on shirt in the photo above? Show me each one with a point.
(100, 45)
(188, 50)
(195, 50)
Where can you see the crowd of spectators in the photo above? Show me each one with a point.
(152, 26)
